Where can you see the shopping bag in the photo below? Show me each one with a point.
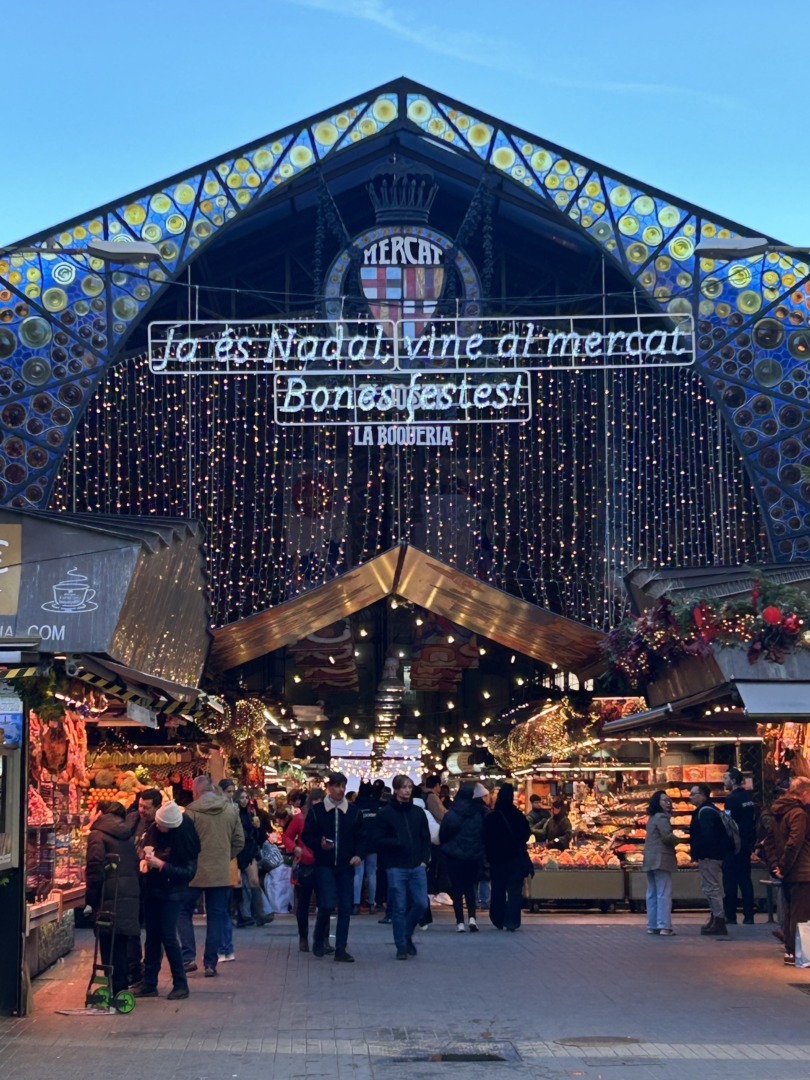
(803, 944)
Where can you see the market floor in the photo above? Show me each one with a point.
(567, 996)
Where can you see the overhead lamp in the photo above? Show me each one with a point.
(363, 632)
(486, 694)
(125, 252)
(744, 247)
(296, 678)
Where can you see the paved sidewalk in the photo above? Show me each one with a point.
(567, 996)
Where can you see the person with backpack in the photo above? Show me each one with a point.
(742, 809)
(710, 845)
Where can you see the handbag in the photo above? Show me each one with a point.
(270, 856)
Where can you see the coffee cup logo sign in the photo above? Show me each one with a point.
(72, 596)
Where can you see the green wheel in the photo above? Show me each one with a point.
(98, 998)
(124, 1001)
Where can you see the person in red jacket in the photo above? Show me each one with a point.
(303, 870)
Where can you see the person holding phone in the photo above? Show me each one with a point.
(333, 833)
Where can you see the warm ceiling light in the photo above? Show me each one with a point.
(482, 651)
(363, 632)
(450, 639)
(346, 720)
(419, 622)
(486, 694)
(331, 659)
(296, 678)
(451, 704)
(416, 712)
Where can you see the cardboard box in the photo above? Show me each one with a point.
(694, 774)
(674, 773)
(715, 773)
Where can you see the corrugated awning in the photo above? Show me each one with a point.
(769, 700)
(155, 693)
(406, 572)
(636, 721)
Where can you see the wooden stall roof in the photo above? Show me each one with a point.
(406, 572)
(646, 585)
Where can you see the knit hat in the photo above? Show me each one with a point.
(480, 792)
(170, 816)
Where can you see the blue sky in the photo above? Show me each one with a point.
(101, 97)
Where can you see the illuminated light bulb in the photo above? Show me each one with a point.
(402, 655)
(450, 639)
(486, 694)
(513, 660)
(451, 704)
(346, 720)
(296, 678)
(420, 622)
(394, 604)
(520, 680)
(316, 731)
(356, 727)
(466, 725)
(332, 659)
(482, 651)
(416, 712)
(443, 731)
(553, 667)
(363, 632)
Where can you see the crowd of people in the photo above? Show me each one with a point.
(404, 848)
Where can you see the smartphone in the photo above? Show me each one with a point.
(328, 842)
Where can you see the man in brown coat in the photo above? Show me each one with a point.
(216, 820)
(787, 847)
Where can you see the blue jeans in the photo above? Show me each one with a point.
(216, 912)
(226, 945)
(334, 889)
(367, 867)
(408, 898)
(659, 900)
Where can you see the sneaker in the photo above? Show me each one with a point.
(473, 926)
(210, 973)
(141, 991)
(343, 958)
(328, 950)
(443, 898)
(402, 954)
(461, 928)
(423, 926)
(385, 921)
(667, 932)
(223, 958)
(651, 931)
(177, 993)
(410, 948)
(789, 960)
(189, 965)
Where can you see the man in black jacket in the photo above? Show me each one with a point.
(710, 845)
(170, 850)
(333, 833)
(737, 865)
(403, 849)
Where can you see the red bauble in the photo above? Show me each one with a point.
(772, 615)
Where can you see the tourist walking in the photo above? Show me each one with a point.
(369, 807)
(168, 864)
(216, 820)
(402, 839)
(248, 862)
(787, 848)
(462, 839)
(303, 870)
(112, 886)
(506, 833)
(333, 833)
(743, 809)
(710, 845)
(659, 862)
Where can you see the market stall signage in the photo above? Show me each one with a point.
(11, 716)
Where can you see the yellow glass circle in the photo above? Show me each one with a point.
(711, 287)
(504, 157)
(175, 223)
(739, 276)
(243, 196)
(301, 156)
(211, 187)
(32, 292)
(253, 179)
(184, 194)
(592, 189)
(681, 248)
(637, 252)
(436, 125)
(570, 183)
(749, 301)
(669, 216)
(723, 309)
(628, 224)
(620, 196)
(479, 134)
(263, 160)
(663, 263)
(54, 299)
(708, 228)
(643, 205)
(652, 235)
(552, 181)
(134, 214)
(542, 161)
(241, 164)
(234, 181)
(326, 133)
(160, 203)
(341, 121)
(385, 110)
(419, 111)
(286, 170)
(562, 166)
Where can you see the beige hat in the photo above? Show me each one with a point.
(480, 792)
(170, 816)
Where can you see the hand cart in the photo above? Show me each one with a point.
(99, 995)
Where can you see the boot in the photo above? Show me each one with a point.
(716, 929)
(257, 906)
(707, 925)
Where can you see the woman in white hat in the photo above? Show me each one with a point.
(171, 847)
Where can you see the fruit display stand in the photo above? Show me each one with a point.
(686, 887)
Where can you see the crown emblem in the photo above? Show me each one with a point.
(401, 192)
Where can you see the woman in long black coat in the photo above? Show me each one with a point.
(110, 845)
(462, 841)
(506, 832)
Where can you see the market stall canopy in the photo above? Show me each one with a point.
(406, 572)
(775, 700)
(128, 588)
(713, 583)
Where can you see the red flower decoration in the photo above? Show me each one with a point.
(792, 623)
(772, 615)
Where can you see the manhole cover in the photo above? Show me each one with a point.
(456, 1053)
(596, 1040)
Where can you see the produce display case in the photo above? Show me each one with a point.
(597, 884)
(686, 886)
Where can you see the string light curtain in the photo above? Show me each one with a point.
(616, 469)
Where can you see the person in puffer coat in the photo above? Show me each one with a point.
(787, 849)
(461, 836)
(112, 862)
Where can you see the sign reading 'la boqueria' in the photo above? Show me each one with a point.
(365, 371)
